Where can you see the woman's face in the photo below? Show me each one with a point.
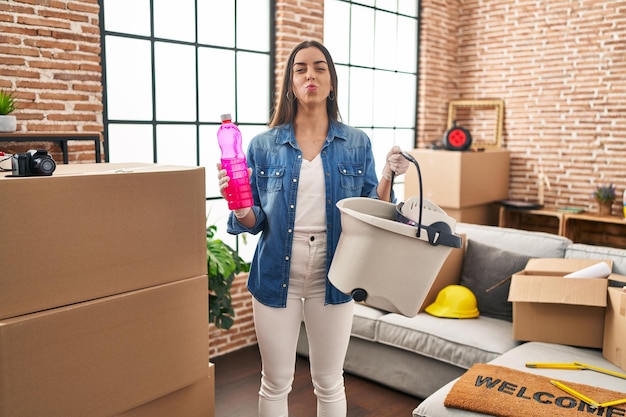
(311, 77)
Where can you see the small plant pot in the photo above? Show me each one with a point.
(605, 209)
(8, 123)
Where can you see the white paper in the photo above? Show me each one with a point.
(599, 270)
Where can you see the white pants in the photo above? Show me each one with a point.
(328, 330)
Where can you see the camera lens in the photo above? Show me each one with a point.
(44, 166)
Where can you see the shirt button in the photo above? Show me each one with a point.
(344, 171)
(291, 206)
(312, 238)
(289, 230)
(262, 172)
(295, 180)
(360, 172)
(277, 174)
(299, 156)
(286, 258)
(284, 285)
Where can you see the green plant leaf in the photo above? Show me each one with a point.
(223, 263)
(7, 103)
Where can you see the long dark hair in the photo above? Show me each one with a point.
(287, 107)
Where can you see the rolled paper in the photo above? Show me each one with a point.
(599, 270)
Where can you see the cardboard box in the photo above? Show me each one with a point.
(95, 230)
(105, 356)
(449, 274)
(481, 214)
(457, 179)
(195, 400)
(553, 309)
(614, 347)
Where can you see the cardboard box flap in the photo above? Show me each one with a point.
(558, 290)
(614, 325)
(560, 266)
(616, 280)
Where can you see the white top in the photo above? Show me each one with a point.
(311, 200)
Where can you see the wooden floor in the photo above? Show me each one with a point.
(237, 379)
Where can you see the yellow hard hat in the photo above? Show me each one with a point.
(455, 302)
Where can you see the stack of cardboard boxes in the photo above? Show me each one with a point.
(587, 312)
(465, 184)
(103, 293)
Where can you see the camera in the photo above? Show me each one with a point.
(32, 163)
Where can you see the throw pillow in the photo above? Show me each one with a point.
(485, 266)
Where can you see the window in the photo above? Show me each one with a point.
(376, 61)
(170, 69)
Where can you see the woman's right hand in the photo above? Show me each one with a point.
(223, 178)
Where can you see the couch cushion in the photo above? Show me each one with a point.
(365, 321)
(459, 342)
(533, 244)
(582, 251)
(486, 266)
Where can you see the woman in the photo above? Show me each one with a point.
(300, 168)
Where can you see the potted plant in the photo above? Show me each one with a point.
(223, 264)
(8, 122)
(605, 196)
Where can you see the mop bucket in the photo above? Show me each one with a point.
(387, 260)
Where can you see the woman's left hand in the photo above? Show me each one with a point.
(395, 163)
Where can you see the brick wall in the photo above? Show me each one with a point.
(438, 69)
(296, 21)
(242, 333)
(50, 56)
(558, 65)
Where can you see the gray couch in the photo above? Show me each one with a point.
(424, 355)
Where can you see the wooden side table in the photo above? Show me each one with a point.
(595, 229)
(589, 228)
(549, 221)
(60, 138)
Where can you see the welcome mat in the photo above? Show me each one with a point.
(505, 392)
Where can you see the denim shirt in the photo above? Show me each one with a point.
(276, 159)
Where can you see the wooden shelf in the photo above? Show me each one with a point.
(586, 228)
(60, 138)
(596, 229)
(534, 220)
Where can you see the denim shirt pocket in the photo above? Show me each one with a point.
(270, 177)
(352, 176)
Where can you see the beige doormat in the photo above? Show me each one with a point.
(505, 392)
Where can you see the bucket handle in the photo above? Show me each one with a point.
(438, 233)
(410, 158)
